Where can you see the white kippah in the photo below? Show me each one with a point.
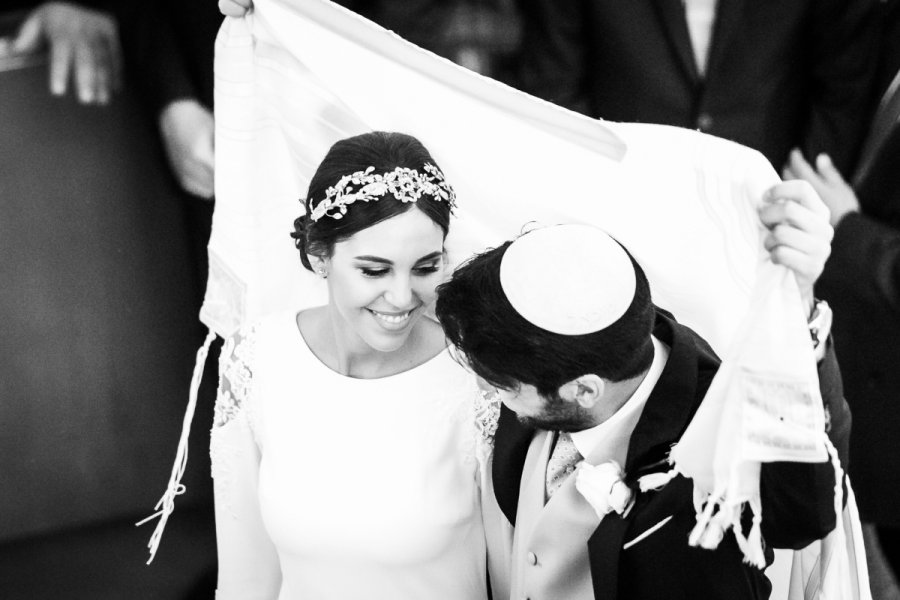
(568, 279)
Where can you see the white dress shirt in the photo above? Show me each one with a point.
(700, 15)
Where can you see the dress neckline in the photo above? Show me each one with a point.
(305, 349)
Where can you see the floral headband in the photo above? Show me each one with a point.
(406, 185)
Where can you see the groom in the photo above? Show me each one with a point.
(561, 323)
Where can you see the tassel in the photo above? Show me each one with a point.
(751, 546)
(656, 481)
(166, 504)
(753, 554)
(699, 499)
(703, 520)
(716, 529)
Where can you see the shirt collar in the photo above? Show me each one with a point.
(609, 439)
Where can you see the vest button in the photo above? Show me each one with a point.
(532, 558)
(704, 122)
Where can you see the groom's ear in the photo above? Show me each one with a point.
(585, 390)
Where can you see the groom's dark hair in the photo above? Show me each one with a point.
(506, 350)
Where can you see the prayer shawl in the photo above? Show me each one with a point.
(291, 79)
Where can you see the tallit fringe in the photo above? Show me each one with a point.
(751, 546)
(166, 504)
(714, 517)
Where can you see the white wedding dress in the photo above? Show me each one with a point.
(330, 487)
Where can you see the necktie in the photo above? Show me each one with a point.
(563, 459)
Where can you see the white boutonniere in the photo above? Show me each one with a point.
(604, 487)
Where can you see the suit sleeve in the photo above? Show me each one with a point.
(552, 61)
(865, 260)
(843, 46)
(248, 562)
(154, 59)
(798, 498)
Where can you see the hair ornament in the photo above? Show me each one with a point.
(406, 185)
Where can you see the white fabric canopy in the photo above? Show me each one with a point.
(291, 79)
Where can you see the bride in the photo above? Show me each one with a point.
(343, 447)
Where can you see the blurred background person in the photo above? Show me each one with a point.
(169, 49)
(480, 35)
(768, 74)
(96, 362)
(861, 281)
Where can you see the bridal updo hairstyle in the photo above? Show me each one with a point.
(385, 151)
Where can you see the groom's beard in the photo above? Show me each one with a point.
(559, 415)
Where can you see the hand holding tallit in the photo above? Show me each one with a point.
(799, 232)
(235, 8)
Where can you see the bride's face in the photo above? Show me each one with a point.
(383, 278)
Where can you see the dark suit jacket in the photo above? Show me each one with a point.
(797, 498)
(861, 281)
(779, 74)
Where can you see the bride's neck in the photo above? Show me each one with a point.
(347, 353)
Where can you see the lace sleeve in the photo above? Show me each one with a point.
(487, 415)
(235, 376)
(248, 561)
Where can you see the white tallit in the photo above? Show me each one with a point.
(293, 78)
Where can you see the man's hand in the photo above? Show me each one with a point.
(799, 232)
(836, 193)
(235, 8)
(188, 133)
(82, 42)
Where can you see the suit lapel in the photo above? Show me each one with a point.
(604, 547)
(884, 124)
(510, 449)
(674, 23)
(675, 397)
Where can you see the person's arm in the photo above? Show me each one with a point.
(235, 8)
(248, 562)
(161, 72)
(552, 59)
(798, 498)
(865, 259)
(843, 48)
(152, 54)
(868, 251)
